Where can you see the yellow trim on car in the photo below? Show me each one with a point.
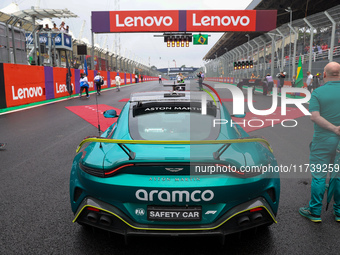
(171, 229)
(189, 142)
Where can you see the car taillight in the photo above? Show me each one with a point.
(117, 169)
(256, 209)
(93, 209)
(100, 172)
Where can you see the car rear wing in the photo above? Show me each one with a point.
(131, 154)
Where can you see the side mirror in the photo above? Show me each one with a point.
(110, 114)
(239, 115)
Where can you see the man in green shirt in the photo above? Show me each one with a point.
(325, 109)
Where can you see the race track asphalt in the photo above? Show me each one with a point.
(35, 213)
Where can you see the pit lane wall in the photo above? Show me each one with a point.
(25, 84)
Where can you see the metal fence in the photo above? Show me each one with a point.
(12, 44)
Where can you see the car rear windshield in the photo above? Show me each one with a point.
(173, 121)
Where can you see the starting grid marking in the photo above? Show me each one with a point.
(91, 113)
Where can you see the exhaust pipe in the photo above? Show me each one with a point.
(105, 220)
(93, 217)
(257, 217)
(243, 220)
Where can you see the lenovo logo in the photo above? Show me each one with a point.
(139, 21)
(143, 21)
(23, 93)
(220, 21)
(62, 88)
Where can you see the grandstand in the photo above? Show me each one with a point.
(310, 29)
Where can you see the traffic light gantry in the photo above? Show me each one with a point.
(243, 65)
(177, 39)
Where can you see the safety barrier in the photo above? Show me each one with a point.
(232, 80)
(25, 84)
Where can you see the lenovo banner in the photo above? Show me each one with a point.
(221, 20)
(191, 21)
(59, 82)
(23, 84)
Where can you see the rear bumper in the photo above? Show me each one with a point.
(245, 216)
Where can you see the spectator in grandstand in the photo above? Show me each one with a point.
(270, 83)
(62, 27)
(286, 60)
(324, 46)
(309, 81)
(47, 28)
(84, 84)
(118, 80)
(324, 106)
(55, 27)
(319, 49)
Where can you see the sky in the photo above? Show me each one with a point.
(141, 46)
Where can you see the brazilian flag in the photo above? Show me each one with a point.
(200, 39)
(299, 75)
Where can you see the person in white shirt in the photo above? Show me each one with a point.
(62, 27)
(309, 81)
(84, 84)
(118, 80)
(99, 82)
(160, 78)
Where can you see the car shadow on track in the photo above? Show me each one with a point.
(254, 241)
